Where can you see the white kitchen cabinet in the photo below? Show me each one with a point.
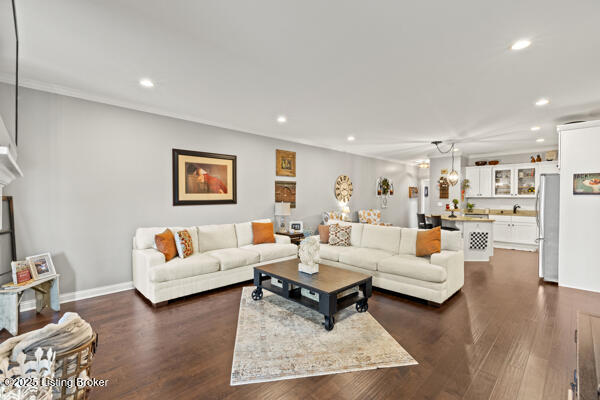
(515, 232)
(502, 231)
(518, 180)
(480, 181)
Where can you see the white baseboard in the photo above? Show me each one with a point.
(82, 294)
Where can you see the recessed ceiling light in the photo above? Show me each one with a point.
(456, 149)
(535, 128)
(521, 44)
(146, 83)
(539, 140)
(351, 138)
(282, 119)
(542, 102)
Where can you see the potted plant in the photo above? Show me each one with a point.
(455, 202)
(470, 207)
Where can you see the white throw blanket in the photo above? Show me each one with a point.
(70, 332)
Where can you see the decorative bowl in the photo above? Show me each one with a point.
(480, 163)
(494, 162)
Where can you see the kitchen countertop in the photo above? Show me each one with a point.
(521, 213)
(464, 218)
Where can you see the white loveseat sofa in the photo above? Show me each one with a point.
(223, 255)
(389, 254)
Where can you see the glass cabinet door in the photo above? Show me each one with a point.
(502, 182)
(526, 181)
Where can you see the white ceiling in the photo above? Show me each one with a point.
(394, 74)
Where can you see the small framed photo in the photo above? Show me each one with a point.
(22, 271)
(296, 227)
(42, 265)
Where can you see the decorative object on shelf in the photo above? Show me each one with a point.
(586, 183)
(345, 213)
(470, 207)
(455, 203)
(309, 255)
(444, 171)
(453, 175)
(343, 188)
(480, 163)
(285, 163)
(282, 210)
(551, 155)
(532, 159)
(538, 158)
(444, 187)
(494, 162)
(384, 188)
(413, 192)
(22, 272)
(203, 178)
(285, 191)
(42, 264)
(296, 227)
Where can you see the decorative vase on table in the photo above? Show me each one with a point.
(309, 255)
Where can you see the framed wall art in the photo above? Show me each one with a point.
(42, 265)
(285, 191)
(413, 192)
(586, 183)
(285, 163)
(203, 178)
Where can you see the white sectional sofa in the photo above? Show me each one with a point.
(223, 255)
(389, 255)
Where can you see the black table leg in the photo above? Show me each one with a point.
(257, 293)
(329, 322)
(328, 307)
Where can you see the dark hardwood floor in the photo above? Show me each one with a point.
(505, 336)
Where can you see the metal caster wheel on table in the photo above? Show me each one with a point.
(329, 322)
(257, 294)
(362, 307)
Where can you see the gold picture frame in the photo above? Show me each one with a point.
(285, 164)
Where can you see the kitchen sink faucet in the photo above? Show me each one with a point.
(515, 208)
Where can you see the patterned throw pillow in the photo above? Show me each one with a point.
(183, 241)
(339, 235)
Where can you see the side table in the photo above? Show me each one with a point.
(46, 295)
(295, 238)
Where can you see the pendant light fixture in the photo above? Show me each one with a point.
(453, 175)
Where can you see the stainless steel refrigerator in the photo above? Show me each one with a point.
(547, 206)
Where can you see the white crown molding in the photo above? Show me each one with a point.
(578, 125)
(79, 94)
(83, 294)
(510, 153)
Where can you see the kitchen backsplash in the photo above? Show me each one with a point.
(503, 203)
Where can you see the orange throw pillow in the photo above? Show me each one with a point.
(429, 242)
(263, 232)
(165, 243)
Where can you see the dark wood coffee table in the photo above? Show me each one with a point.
(328, 283)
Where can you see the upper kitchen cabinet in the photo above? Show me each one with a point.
(480, 181)
(503, 181)
(518, 180)
(525, 181)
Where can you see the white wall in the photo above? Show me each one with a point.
(579, 236)
(436, 165)
(94, 173)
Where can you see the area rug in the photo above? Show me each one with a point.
(279, 339)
